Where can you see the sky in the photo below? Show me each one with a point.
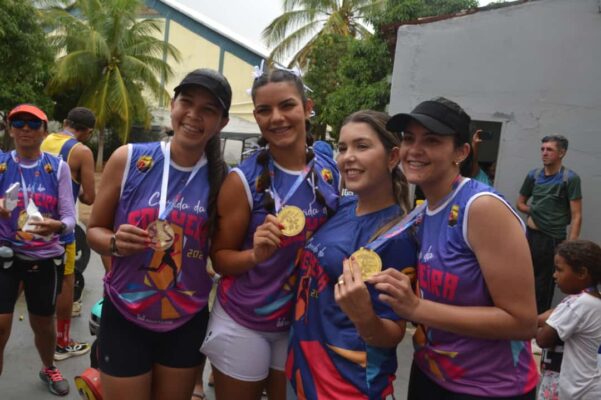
(245, 17)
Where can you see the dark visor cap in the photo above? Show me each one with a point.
(439, 116)
(211, 80)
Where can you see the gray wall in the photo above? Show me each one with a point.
(534, 67)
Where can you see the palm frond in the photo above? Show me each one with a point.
(278, 29)
(293, 40)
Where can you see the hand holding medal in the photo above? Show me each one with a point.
(351, 293)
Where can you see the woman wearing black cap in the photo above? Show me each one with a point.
(154, 214)
(475, 306)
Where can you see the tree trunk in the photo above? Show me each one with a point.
(100, 153)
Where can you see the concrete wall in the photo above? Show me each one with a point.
(534, 67)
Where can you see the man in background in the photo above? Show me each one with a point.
(556, 202)
(68, 144)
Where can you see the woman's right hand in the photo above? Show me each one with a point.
(130, 239)
(266, 239)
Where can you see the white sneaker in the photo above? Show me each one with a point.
(76, 310)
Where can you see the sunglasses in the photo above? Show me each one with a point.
(20, 123)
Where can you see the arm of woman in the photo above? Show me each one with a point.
(502, 251)
(353, 297)
(129, 239)
(232, 223)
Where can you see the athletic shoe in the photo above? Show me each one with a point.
(76, 310)
(56, 383)
(71, 350)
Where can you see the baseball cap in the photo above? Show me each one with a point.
(28, 109)
(440, 116)
(211, 80)
(82, 116)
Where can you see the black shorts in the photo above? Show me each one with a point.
(126, 349)
(42, 281)
(421, 387)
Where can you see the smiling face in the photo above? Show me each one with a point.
(364, 162)
(281, 114)
(196, 116)
(430, 160)
(25, 137)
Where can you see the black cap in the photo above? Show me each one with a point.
(81, 116)
(440, 116)
(211, 80)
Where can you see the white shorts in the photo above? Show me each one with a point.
(242, 353)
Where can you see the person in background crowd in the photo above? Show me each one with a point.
(556, 202)
(31, 228)
(154, 215)
(475, 301)
(69, 145)
(576, 320)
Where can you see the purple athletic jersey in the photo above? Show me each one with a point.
(327, 358)
(41, 178)
(261, 298)
(161, 290)
(449, 273)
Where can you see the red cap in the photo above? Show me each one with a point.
(28, 109)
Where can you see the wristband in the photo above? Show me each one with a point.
(113, 246)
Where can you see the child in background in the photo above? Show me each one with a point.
(577, 319)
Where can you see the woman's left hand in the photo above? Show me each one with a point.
(396, 291)
(351, 293)
(46, 227)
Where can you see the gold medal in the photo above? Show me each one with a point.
(22, 219)
(293, 220)
(161, 233)
(369, 261)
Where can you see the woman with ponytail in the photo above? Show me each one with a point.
(154, 214)
(267, 208)
(343, 340)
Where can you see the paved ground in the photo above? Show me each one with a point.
(20, 380)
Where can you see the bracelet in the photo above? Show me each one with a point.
(113, 246)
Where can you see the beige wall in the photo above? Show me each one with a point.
(239, 74)
(197, 52)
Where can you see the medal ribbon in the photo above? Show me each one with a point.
(303, 175)
(409, 220)
(165, 209)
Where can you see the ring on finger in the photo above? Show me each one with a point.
(341, 282)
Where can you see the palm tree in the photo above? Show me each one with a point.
(113, 59)
(303, 21)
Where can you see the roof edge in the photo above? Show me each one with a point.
(258, 49)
